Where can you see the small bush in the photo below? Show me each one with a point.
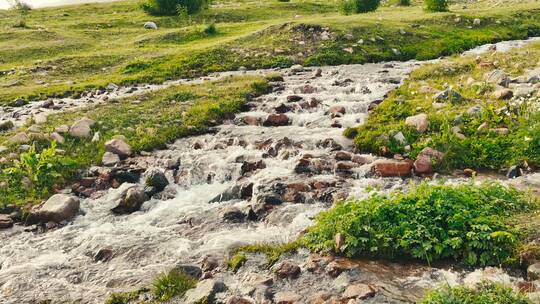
(171, 284)
(358, 6)
(437, 5)
(467, 223)
(483, 293)
(404, 2)
(210, 29)
(174, 7)
(23, 9)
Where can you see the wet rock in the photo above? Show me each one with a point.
(5, 221)
(287, 297)
(420, 122)
(231, 193)
(336, 267)
(6, 125)
(210, 263)
(233, 215)
(118, 147)
(287, 269)
(392, 168)
(81, 128)
(317, 73)
(276, 120)
(359, 291)
(266, 202)
(533, 272)
(514, 172)
(103, 255)
(154, 177)
(343, 156)
(191, 270)
(282, 108)
(127, 176)
(427, 159)
(248, 167)
(110, 159)
(204, 292)
(294, 98)
(448, 95)
(58, 208)
(307, 89)
(251, 121)
(239, 300)
(337, 110)
(297, 68)
(150, 25)
(47, 104)
(131, 202)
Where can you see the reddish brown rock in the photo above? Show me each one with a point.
(251, 121)
(359, 291)
(294, 98)
(392, 168)
(276, 120)
(336, 110)
(287, 269)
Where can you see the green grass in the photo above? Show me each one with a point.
(483, 293)
(236, 261)
(91, 45)
(172, 284)
(467, 223)
(478, 150)
(159, 119)
(272, 251)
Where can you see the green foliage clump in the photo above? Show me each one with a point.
(437, 5)
(238, 260)
(210, 29)
(482, 293)
(124, 297)
(358, 6)
(174, 7)
(466, 222)
(404, 2)
(23, 9)
(272, 251)
(35, 174)
(171, 284)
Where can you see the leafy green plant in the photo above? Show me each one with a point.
(466, 222)
(348, 7)
(171, 284)
(174, 7)
(436, 5)
(210, 29)
(482, 293)
(272, 251)
(23, 9)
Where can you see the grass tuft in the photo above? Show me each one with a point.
(482, 293)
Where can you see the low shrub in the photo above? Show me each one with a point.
(483, 293)
(404, 2)
(466, 222)
(174, 7)
(171, 284)
(437, 5)
(348, 7)
(210, 29)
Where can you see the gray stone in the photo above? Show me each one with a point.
(533, 272)
(150, 25)
(119, 147)
(58, 208)
(297, 68)
(503, 94)
(156, 178)
(498, 77)
(420, 122)
(81, 128)
(57, 137)
(5, 221)
(131, 202)
(19, 138)
(523, 91)
(287, 297)
(205, 292)
(448, 95)
(110, 159)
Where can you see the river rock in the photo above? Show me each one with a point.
(359, 291)
(392, 168)
(503, 94)
(19, 138)
(233, 214)
(420, 122)
(191, 270)
(118, 147)
(276, 120)
(514, 172)
(533, 272)
(58, 208)
(150, 25)
(81, 128)
(5, 221)
(427, 159)
(110, 159)
(294, 98)
(204, 292)
(297, 68)
(265, 202)
(131, 201)
(287, 269)
(239, 300)
(156, 178)
(287, 297)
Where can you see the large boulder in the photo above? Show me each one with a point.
(118, 147)
(131, 201)
(392, 168)
(205, 292)
(58, 208)
(420, 122)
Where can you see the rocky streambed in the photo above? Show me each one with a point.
(260, 177)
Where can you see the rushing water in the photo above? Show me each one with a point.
(59, 264)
